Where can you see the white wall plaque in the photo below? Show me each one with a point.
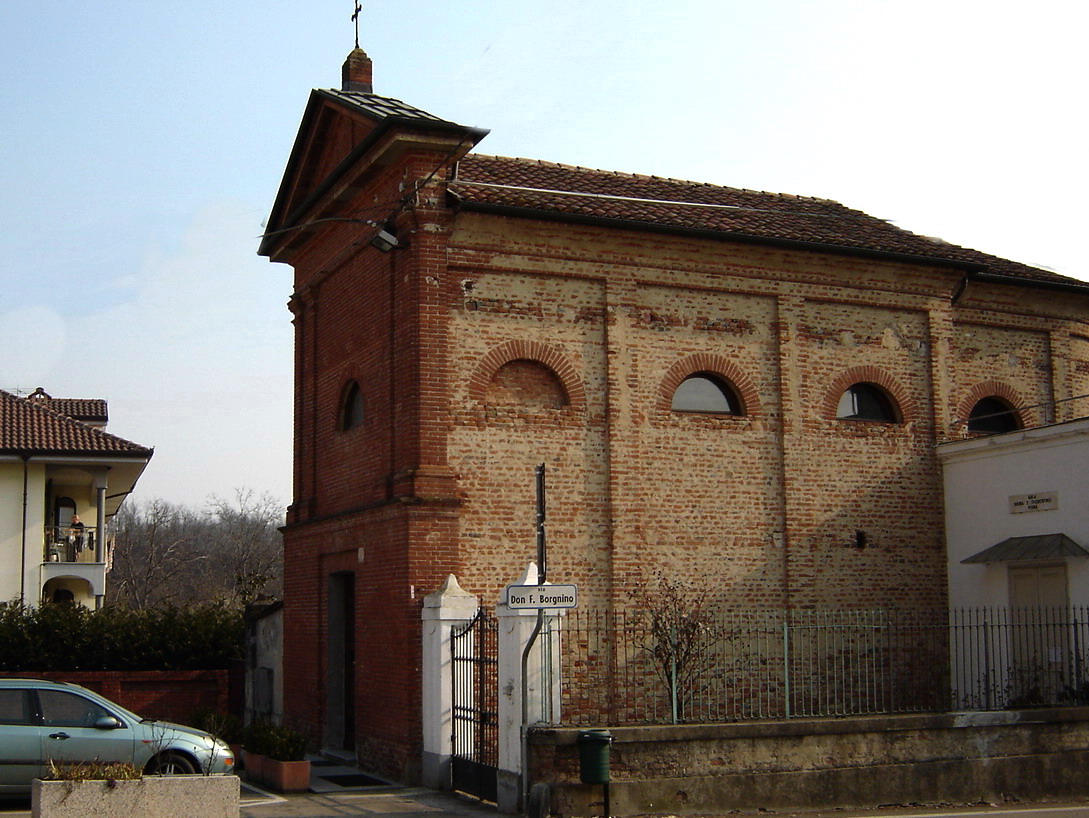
(1041, 501)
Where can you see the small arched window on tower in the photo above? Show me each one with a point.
(992, 415)
(708, 393)
(867, 401)
(351, 408)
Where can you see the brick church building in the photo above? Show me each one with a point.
(739, 389)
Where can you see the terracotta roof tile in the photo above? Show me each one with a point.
(34, 426)
(89, 410)
(565, 191)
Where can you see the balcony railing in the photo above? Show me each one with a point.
(65, 543)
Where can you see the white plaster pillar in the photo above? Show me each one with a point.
(542, 686)
(447, 607)
(100, 485)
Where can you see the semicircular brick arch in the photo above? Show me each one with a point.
(903, 407)
(536, 351)
(991, 389)
(715, 365)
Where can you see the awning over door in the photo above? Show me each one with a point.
(1038, 547)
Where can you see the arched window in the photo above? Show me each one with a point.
(866, 401)
(704, 392)
(351, 411)
(526, 384)
(992, 415)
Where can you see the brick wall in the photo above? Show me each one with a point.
(165, 695)
(787, 505)
(487, 345)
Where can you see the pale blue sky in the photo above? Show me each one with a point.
(142, 144)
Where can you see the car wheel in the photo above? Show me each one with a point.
(171, 764)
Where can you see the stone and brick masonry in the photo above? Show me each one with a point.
(490, 342)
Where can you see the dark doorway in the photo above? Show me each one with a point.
(340, 690)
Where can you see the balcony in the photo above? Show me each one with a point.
(69, 553)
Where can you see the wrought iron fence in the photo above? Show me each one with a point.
(617, 668)
(66, 543)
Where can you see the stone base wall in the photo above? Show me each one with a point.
(852, 763)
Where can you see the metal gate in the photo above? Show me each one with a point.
(475, 716)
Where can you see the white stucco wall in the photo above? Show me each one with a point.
(982, 474)
(11, 529)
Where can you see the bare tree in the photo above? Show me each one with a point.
(681, 632)
(163, 553)
(246, 544)
(155, 546)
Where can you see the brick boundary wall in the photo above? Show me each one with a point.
(867, 762)
(165, 695)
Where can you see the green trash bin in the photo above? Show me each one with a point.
(594, 756)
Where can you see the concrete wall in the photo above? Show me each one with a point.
(174, 796)
(861, 762)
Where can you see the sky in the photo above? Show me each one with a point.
(142, 143)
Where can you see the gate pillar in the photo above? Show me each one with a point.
(447, 607)
(542, 688)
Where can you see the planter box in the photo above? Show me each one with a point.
(286, 776)
(281, 776)
(168, 796)
(254, 765)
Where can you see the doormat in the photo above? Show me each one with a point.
(354, 780)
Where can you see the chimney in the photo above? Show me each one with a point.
(355, 74)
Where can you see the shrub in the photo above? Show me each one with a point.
(70, 637)
(111, 772)
(275, 742)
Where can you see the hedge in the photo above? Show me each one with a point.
(62, 637)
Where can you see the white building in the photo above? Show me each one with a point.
(1017, 517)
(61, 479)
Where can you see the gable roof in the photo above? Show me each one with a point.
(384, 115)
(553, 191)
(35, 427)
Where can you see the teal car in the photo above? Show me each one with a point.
(43, 721)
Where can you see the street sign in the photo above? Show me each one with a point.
(542, 596)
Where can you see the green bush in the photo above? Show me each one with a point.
(275, 742)
(71, 638)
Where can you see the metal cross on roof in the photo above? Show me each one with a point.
(355, 19)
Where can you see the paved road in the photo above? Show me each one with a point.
(327, 800)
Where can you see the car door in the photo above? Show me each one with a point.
(69, 733)
(20, 740)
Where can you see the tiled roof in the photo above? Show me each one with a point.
(89, 410)
(35, 427)
(546, 189)
(381, 107)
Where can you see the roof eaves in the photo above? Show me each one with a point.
(136, 453)
(720, 235)
(1073, 285)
